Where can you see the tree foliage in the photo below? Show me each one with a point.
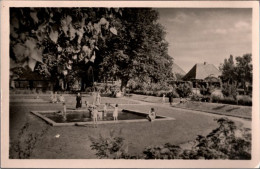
(59, 42)
(74, 43)
(244, 69)
(239, 73)
(140, 50)
(227, 141)
(227, 68)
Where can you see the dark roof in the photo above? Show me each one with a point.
(200, 71)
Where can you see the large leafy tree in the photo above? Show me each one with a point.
(228, 70)
(76, 43)
(140, 50)
(59, 43)
(244, 69)
(238, 73)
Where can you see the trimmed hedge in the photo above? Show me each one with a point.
(242, 100)
(156, 93)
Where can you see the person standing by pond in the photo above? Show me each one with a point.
(79, 101)
(105, 110)
(170, 98)
(115, 113)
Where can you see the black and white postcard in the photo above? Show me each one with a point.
(94, 84)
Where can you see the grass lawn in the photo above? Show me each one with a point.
(74, 142)
(225, 109)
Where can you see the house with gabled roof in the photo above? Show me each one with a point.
(201, 71)
(203, 74)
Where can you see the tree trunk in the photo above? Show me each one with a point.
(123, 85)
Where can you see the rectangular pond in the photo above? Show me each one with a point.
(82, 117)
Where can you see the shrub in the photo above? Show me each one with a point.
(195, 97)
(112, 147)
(175, 94)
(244, 100)
(205, 99)
(241, 100)
(229, 90)
(215, 99)
(184, 90)
(160, 93)
(26, 143)
(228, 100)
(167, 151)
(225, 142)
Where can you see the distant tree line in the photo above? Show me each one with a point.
(239, 74)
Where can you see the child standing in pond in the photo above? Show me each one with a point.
(115, 113)
(79, 101)
(61, 98)
(95, 115)
(64, 109)
(105, 110)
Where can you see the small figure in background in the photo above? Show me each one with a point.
(163, 99)
(98, 102)
(95, 115)
(90, 109)
(87, 104)
(64, 113)
(64, 109)
(151, 115)
(54, 97)
(115, 113)
(79, 101)
(105, 110)
(51, 97)
(100, 115)
(61, 98)
(170, 98)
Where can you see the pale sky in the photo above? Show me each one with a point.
(196, 35)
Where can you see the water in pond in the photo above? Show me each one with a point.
(73, 116)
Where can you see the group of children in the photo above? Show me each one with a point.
(55, 99)
(94, 113)
(102, 114)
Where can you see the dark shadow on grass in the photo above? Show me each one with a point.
(235, 108)
(86, 126)
(219, 107)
